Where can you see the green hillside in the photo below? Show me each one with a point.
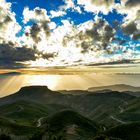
(36, 112)
(28, 113)
(9, 127)
(69, 123)
(130, 131)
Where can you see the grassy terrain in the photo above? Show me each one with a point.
(131, 112)
(37, 112)
(69, 123)
(23, 112)
(130, 131)
(27, 113)
(10, 127)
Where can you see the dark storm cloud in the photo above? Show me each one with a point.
(94, 32)
(10, 55)
(85, 46)
(102, 34)
(48, 56)
(46, 28)
(35, 30)
(14, 57)
(95, 39)
(6, 19)
(40, 25)
(130, 28)
(11, 65)
(131, 3)
(9, 52)
(43, 23)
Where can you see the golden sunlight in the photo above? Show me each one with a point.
(11, 84)
(47, 80)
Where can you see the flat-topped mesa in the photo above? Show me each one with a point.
(34, 90)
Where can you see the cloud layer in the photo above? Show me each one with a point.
(41, 41)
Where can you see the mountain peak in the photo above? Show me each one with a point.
(34, 89)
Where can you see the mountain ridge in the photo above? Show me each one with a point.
(116, 87)
(69, 116)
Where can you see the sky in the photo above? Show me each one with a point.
(87, 43)
(54, 33)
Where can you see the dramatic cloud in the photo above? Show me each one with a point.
(38, 33)
(96, 37)
(20, 50)
(8, 25)
(36, 15)
(52, 38)
(37, 29)
(102, 34)
(97, 5)
(131, 29)
(131, 26)
(130, 7)
(131, 3)
(9, 52)
(20, 56)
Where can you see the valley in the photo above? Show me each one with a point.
(42, 114)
